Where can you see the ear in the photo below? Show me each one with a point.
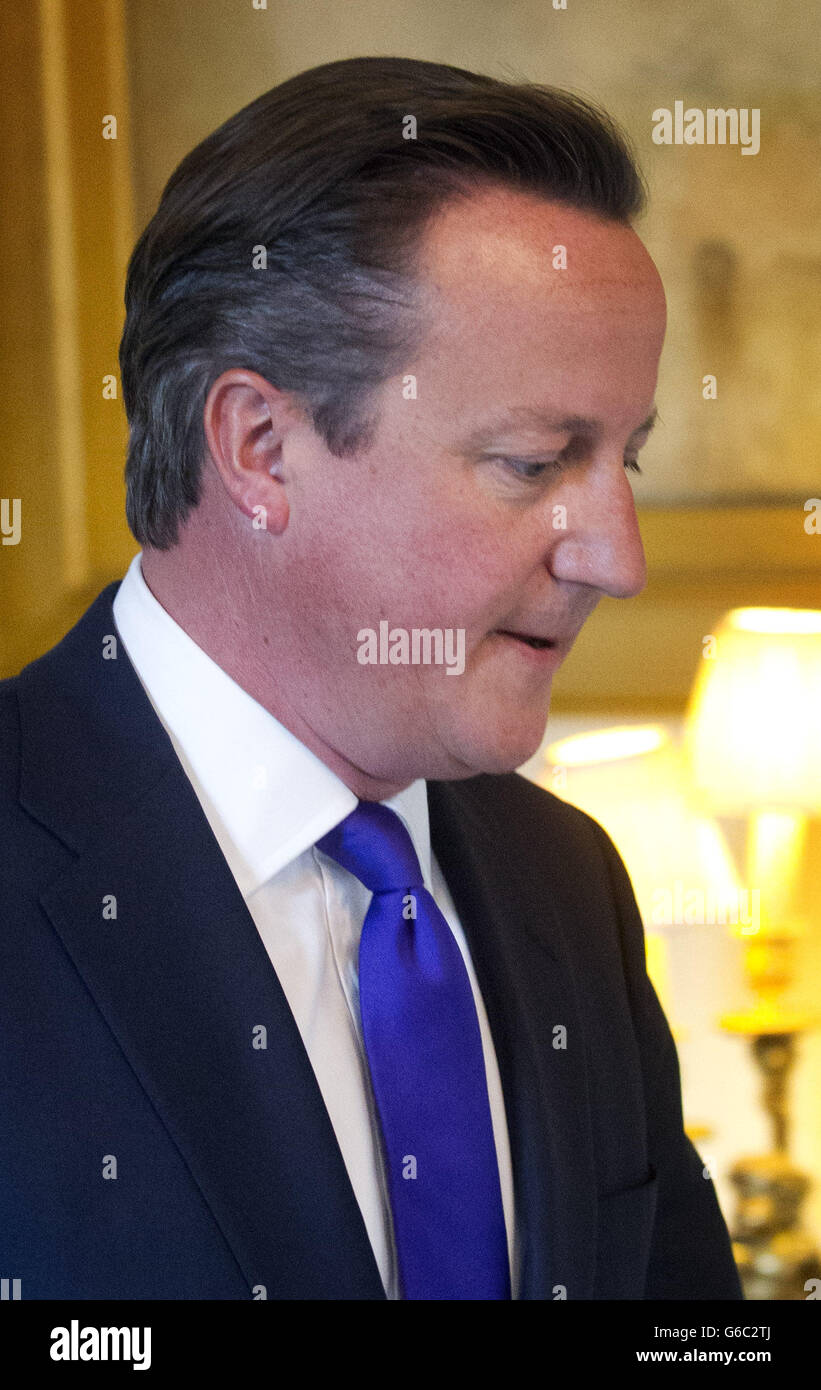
(246, 420)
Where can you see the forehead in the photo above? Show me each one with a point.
(511, 315)
(502, 242)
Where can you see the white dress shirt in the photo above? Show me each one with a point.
(268, 799)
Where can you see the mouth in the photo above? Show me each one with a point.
(539, 653)
(538, 644)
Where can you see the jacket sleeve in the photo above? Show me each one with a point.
(690, 1254)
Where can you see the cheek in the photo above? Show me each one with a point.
(463, 572)
(418, 545)
(485, 573)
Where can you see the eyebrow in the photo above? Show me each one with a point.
(525, 415)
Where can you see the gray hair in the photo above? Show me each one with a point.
(318, 174)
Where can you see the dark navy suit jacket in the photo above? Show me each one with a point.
(129, 1038)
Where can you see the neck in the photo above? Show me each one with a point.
(184, 580)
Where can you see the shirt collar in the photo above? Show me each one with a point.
(267, 797)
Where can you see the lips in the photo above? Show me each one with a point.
(530, 639)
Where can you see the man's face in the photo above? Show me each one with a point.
(496, 501)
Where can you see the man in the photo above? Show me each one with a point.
(306, 993)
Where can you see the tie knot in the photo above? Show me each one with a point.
(373, 844)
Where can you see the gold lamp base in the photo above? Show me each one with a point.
(774, 1255)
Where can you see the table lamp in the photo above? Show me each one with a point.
(753, 744)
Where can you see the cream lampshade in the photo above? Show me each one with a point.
(754, 726)
(754, 741)
(754, 748)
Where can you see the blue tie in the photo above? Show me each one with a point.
(427, 1069)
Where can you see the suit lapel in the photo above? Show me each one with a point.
(181, 976)
(503, 898)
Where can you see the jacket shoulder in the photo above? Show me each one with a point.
(45, 707)
(509, 803)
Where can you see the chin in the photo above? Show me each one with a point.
(503, 749)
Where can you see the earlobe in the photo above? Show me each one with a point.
(265, 505)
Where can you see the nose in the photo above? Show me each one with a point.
(601, 544)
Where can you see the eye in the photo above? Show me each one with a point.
(528, 468)
(533, 468)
